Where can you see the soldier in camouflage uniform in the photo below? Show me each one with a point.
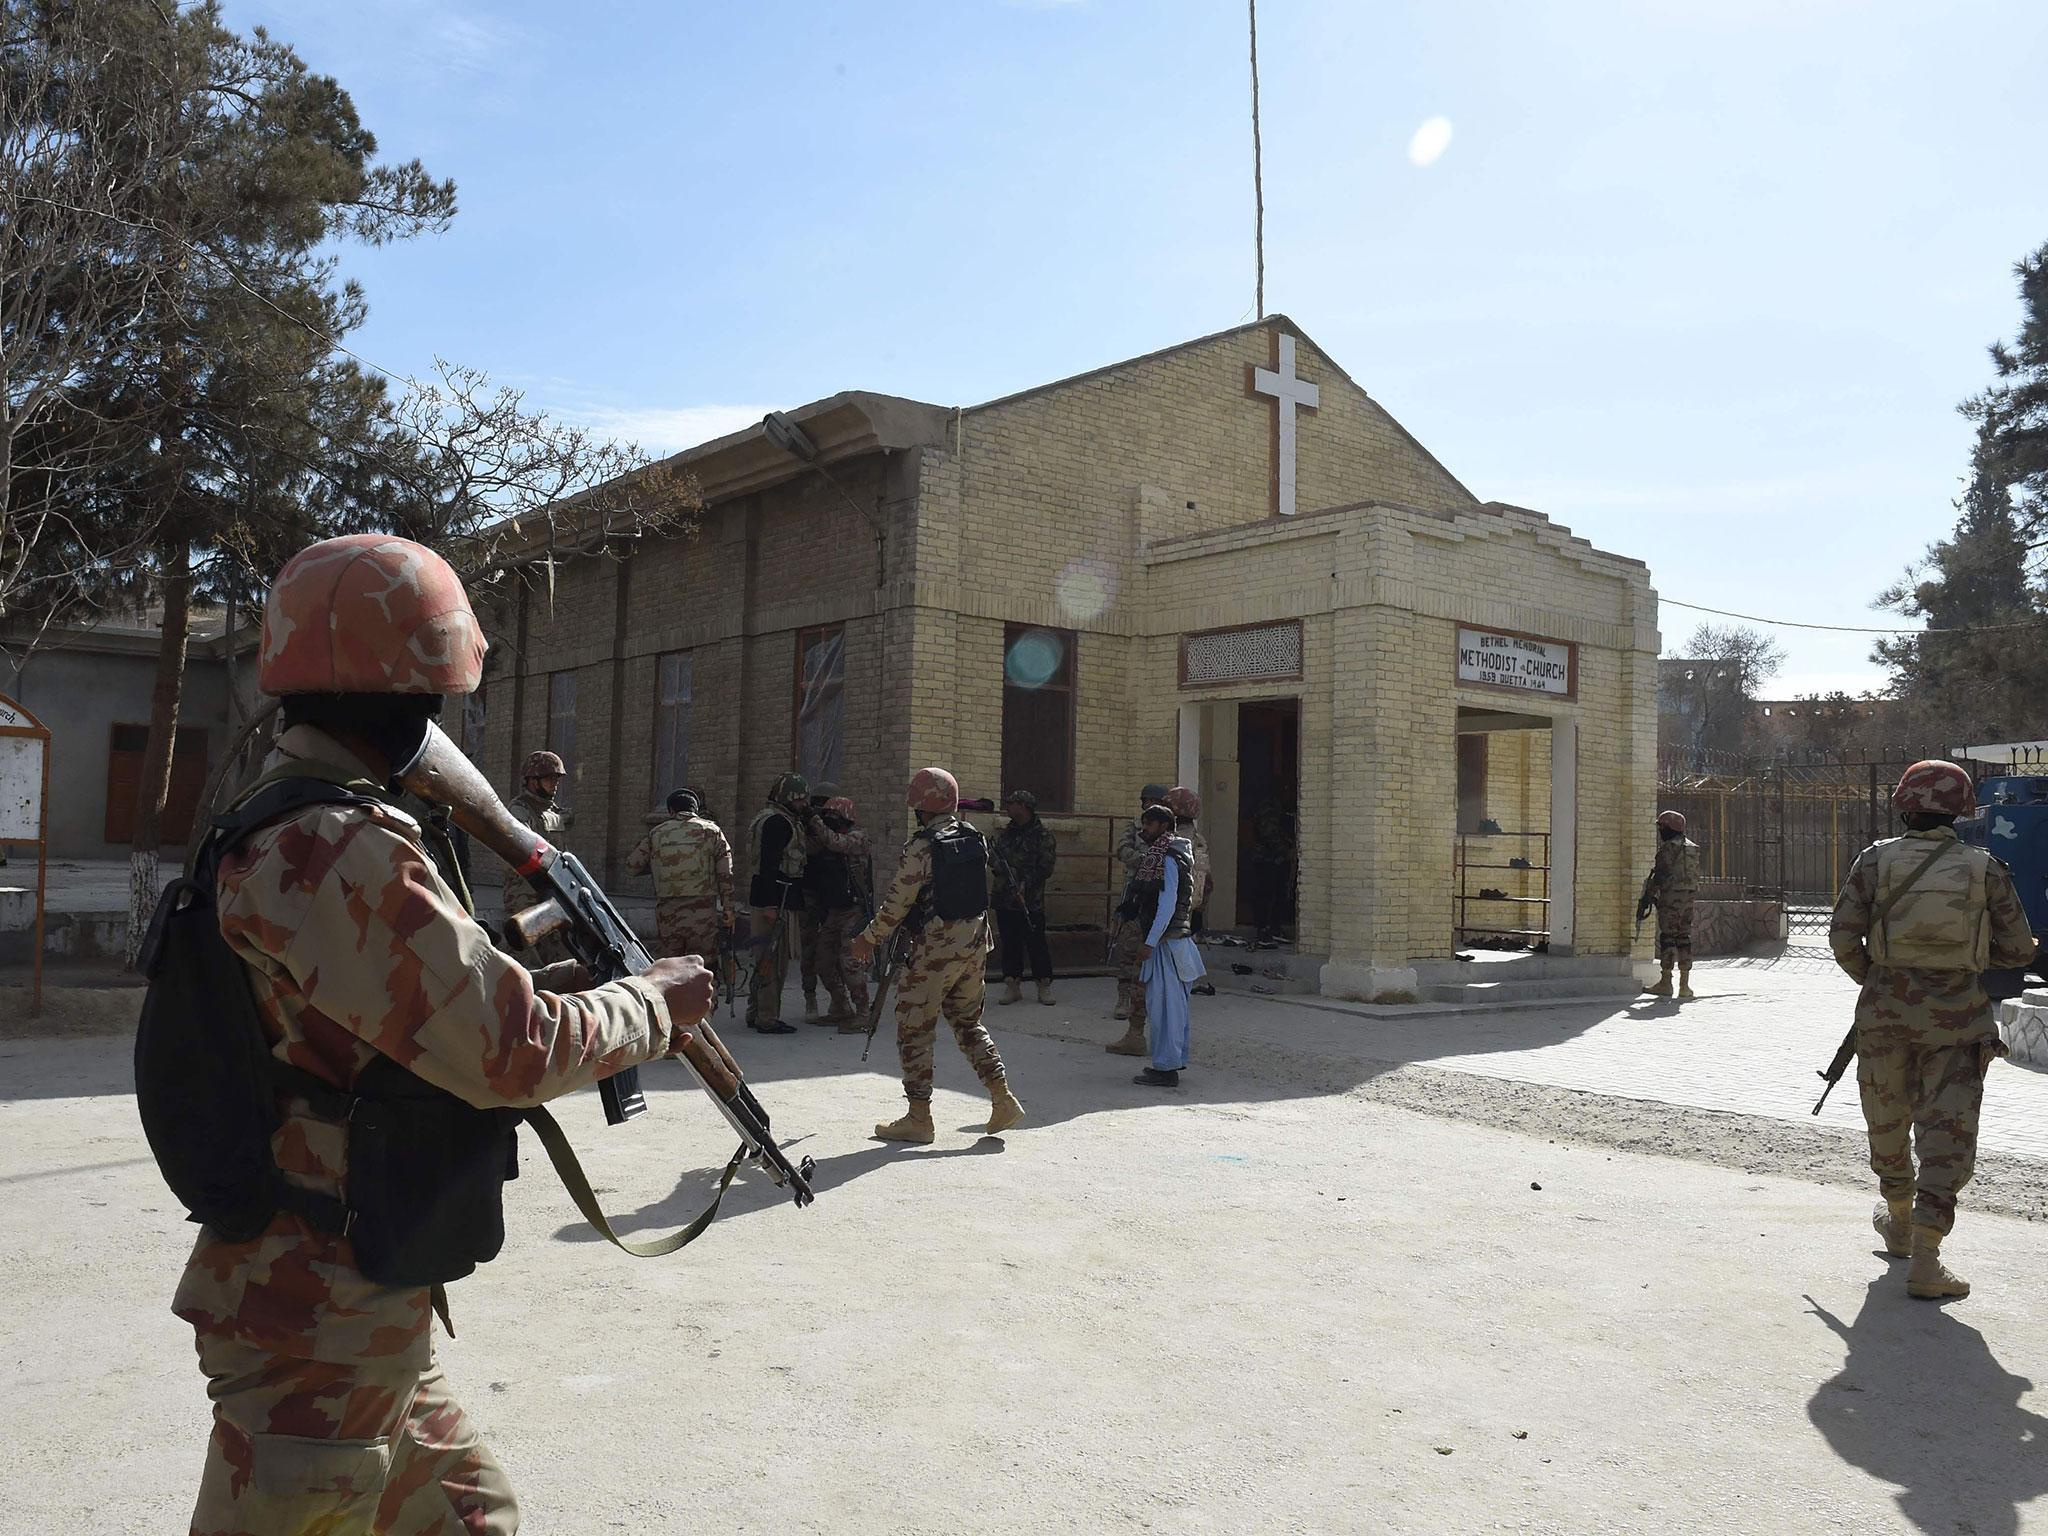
(1919, 920)
(841, 881)
(329, 1411)
(1272, 866)
(535, 807)
(1025, 857)
(777, 852)
(941, 894)
(810, 920)
(692, 864)
(1130, 943)
(1671, 888)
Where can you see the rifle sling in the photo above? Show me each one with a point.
(570, 1172)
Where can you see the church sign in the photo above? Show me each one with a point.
(1491, 658)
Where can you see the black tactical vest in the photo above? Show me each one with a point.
(959, 888)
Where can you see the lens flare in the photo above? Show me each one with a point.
(1430, 142)
(1084, 590)
(1035, 658)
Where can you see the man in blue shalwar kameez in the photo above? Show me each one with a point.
(1163, 889)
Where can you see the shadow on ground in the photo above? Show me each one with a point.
(1923, 1404)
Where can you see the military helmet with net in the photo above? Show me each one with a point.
(1152, 794)
(543, 765)
(1672, 821)
(682, 802)
(1022, 797)
(368, 613)
(1936, 788)
(933, 791)
(840, 806)
(788, 788)
(1183, 802)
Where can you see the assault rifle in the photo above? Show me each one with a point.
(1844, 1054)
(898, 955)
(595, 933)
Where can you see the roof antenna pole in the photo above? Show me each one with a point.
(1258, 171)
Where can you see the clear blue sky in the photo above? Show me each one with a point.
(1702, 279)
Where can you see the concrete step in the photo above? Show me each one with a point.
(1521, 967)
(1484, 989)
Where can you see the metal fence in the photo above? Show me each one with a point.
(1785, 830)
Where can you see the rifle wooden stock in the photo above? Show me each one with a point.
(528, 928)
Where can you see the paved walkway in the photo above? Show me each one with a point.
(1750, 1044)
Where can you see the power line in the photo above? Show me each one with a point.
(1853, 629)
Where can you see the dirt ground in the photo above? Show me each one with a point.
(1274, 1301)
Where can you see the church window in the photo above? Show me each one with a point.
(672, 724)
(820, 724)
(1038, 714)
(562, 727)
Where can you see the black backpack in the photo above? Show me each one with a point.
(206, 1083)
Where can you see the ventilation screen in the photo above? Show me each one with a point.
(1241, 655)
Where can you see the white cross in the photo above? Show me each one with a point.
(1287, 392)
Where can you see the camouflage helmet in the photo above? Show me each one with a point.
(1183, 802)
(840, 806)
(933, 791)
(368, 613)
(787, 788)
(683, 802)
(1672, 821)
(1936, 787)
(540, 765)
(1153, 794)
(1022, 797)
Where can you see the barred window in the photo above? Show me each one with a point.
(1266, 652)
(672, 724)
(820, 725)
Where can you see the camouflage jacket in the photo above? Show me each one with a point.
(1272, 836)
(1199, 887)
(1949, 1002)
(851, 845)
(1674, 878)
(355, 947)
(1130, 847)
(1023, 856)
(551, 822)
(907, 890)
(690, 858)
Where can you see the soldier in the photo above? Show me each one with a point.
(775, 840)
(535, 806)
(1919, 920)
(329, 1410)
(810, 917)
(1025, 855)
(840, 881)
(692, 863)
(1130, 991)
(941, 895)
(1186, 805)
(1671, 885)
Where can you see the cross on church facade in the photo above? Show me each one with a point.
(1286, 392)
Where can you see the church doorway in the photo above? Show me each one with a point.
(1514, 864)
(1269, 800)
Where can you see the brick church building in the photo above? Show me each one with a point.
(1222, 564)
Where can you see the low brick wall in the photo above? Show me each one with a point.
(1729, 927)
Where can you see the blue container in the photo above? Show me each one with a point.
(2012, 822)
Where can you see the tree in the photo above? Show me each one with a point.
(2012, 415)
(1704, 706)
(1975, 671)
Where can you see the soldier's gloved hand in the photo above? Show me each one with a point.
(686, 986)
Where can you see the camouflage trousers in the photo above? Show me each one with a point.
(1130, 990)
(840, 980)
(1921, 1100)
(364, 1449)
(687, 925)
(951, 986)
(764, 1000)
(1674, 932)
(810, 924)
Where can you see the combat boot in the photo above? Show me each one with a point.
(1004, 1110)
(1894, 1223)
(841, 1011)
(1685, 981)
(1045, 993)
(811, 1007)
(1121, 1011)
(1663, 987)
(916, 1125)
(1013, 991)
(1132, 1044)
(1927, 1277)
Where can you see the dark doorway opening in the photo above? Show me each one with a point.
(1269, 797)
